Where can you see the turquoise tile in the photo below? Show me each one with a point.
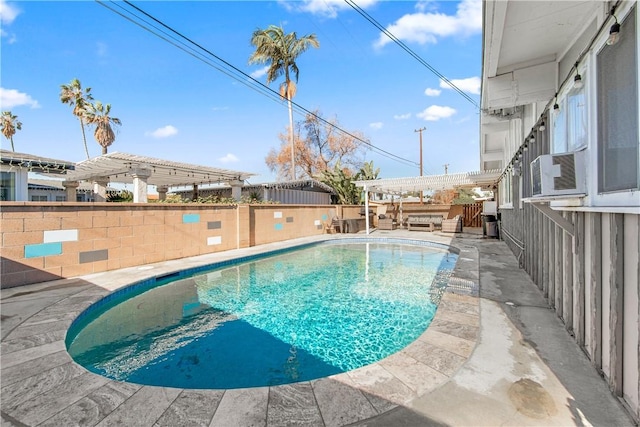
(190, 218)
(42, 249)
(279, 226)
(325, 217)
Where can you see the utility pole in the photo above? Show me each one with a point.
(420, 131)
(446, 168)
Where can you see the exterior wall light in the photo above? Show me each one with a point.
(577, 80)
(614, 34)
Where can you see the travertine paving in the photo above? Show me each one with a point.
(42, 385)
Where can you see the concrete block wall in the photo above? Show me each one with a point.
(275, 223)
(48, 241)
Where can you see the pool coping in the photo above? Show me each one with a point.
(366, 392)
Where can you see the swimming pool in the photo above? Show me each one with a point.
(278, 318)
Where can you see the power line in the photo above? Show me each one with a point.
(228, 68)
(410, 52)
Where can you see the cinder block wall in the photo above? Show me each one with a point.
(48, 241)
(275, 223)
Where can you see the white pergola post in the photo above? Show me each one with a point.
(366, 207)
(71, 188)
(140, 176)
(100, 189)
(236, 189)
(162, 192)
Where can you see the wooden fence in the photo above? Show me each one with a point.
(471, 213)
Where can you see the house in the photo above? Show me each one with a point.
(560, 120)
(49, 190)
(14, 173)
(88, 181)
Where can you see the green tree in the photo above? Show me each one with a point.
(80, 100)
(9, 124)
(98, 115)
(368, 173)
(280, 51)
(342, 183)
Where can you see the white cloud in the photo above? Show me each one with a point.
(229, 158)
(471, 85)
(7, 12)
(436, 112)
(402, 116)
(376, 125)
(11, 38)
(326, 8)
(10, 98)
(163, 132)
(432, 92)
(423, 28)
(259, 73)
(423, 5)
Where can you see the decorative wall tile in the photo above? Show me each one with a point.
(190, 218)
(325, 217)
(214, 225)
(278, 226)
(42, 249)
(60, 236)
(93, 256)
(289, 219)
(215, 240)
(317, 222)
(277, 214)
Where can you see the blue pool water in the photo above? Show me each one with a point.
(296, 316)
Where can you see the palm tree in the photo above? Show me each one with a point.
(80, 100)
(9, 123)
(98, 115)
(280, 51)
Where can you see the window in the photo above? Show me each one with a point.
(37, 198)
(618, 146)
(7, 186)
(570, 121)
(506, 191)
(61, 198)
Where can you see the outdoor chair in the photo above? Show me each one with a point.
(333, 227)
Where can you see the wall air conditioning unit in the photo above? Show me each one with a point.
(558, 174)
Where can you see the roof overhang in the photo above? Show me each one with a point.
(523, 43)
(483, 179)
(33, 163)
(120, 167)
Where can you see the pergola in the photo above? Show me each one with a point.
(400, 186)
(142, 171)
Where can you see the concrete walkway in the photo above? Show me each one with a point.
(501, 359)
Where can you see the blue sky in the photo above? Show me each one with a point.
(176, 107)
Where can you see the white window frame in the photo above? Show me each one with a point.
(506, 191)
(567, 121)
(618, 199)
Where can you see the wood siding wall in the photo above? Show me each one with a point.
(591, 280)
